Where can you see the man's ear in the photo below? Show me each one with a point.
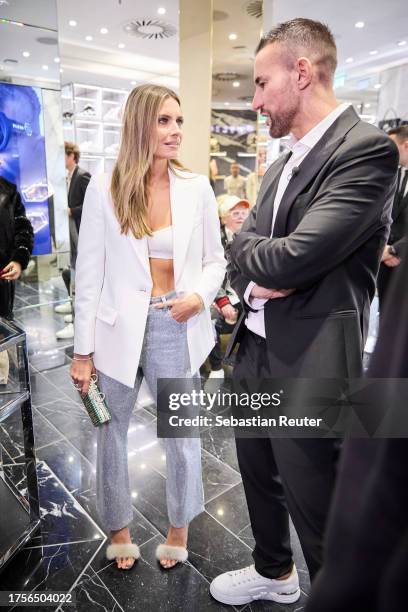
(305, 72)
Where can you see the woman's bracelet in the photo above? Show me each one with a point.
(82, 358)
(201, 302)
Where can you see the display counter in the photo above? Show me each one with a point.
(19, 505)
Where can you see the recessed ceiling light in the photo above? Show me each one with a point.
(73, 23)
(121, 45)
(236, 84)
(377, 86)
(349, 60)
(26, 54)
(161, 10)
(374, 52)
(45, 67)
(57, 60)
(402, 43)
(359, 24)
(103, 30)
(232, 36)
(89, 38)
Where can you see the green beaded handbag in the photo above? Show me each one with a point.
(94, 402)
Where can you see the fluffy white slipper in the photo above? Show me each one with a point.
(123, 551)
(177, 553)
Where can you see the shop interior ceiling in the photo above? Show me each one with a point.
(120, 59)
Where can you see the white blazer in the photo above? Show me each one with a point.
(113, 282)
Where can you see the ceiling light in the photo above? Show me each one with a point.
(226, 103)
(367, 105)
(349, 60)
(236, 84)
(73, 23)
(402, 43)
(133, 82)
(247, 104)
(89, 38)
(377, 86)
(233, 36)
(359, 24)
(103, 30)
(26, 54)
(374, 52)
(57, 60)
(45, 67)
(161, 11)
(121, 45)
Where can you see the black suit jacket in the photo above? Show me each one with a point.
(76, 194)
(366, 553)
(398, 232)
(329, 234)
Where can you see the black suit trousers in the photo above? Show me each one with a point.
(281, 475)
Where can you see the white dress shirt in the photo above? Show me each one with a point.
(300, 148)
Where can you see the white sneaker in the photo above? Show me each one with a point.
(245, 585)
(65, 308)
(68, 318)
(216, 374)
(66, 333)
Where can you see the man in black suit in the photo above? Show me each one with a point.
(366, 552)
(77, 182)
(304, 266)
(398, 235)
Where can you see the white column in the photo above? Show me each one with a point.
(195, 82)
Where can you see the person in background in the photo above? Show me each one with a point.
(254, 179)
(391, 258)
(16, 244)
(233, 211)
(366, 548)
(77, 183)
(235, 183)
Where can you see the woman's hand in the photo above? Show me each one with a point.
(81, 371)
(12, 271)
(183, 308)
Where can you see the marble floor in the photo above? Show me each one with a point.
(72, 556)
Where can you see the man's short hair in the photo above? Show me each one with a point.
(306, 35)
(400, 133)
(72, 149)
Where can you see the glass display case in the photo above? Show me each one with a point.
(19, 500)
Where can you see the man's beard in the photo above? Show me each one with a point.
(281, 126)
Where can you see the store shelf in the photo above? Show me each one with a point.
(10, 401)
(100, 132)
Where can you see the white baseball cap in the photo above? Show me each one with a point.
(227, 202)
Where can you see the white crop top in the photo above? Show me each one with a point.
(160, 245)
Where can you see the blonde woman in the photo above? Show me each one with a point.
(150, 262)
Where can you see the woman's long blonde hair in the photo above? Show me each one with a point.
(131, 173)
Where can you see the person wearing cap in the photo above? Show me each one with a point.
(232, 211)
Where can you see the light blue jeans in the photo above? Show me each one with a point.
(164, 355)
